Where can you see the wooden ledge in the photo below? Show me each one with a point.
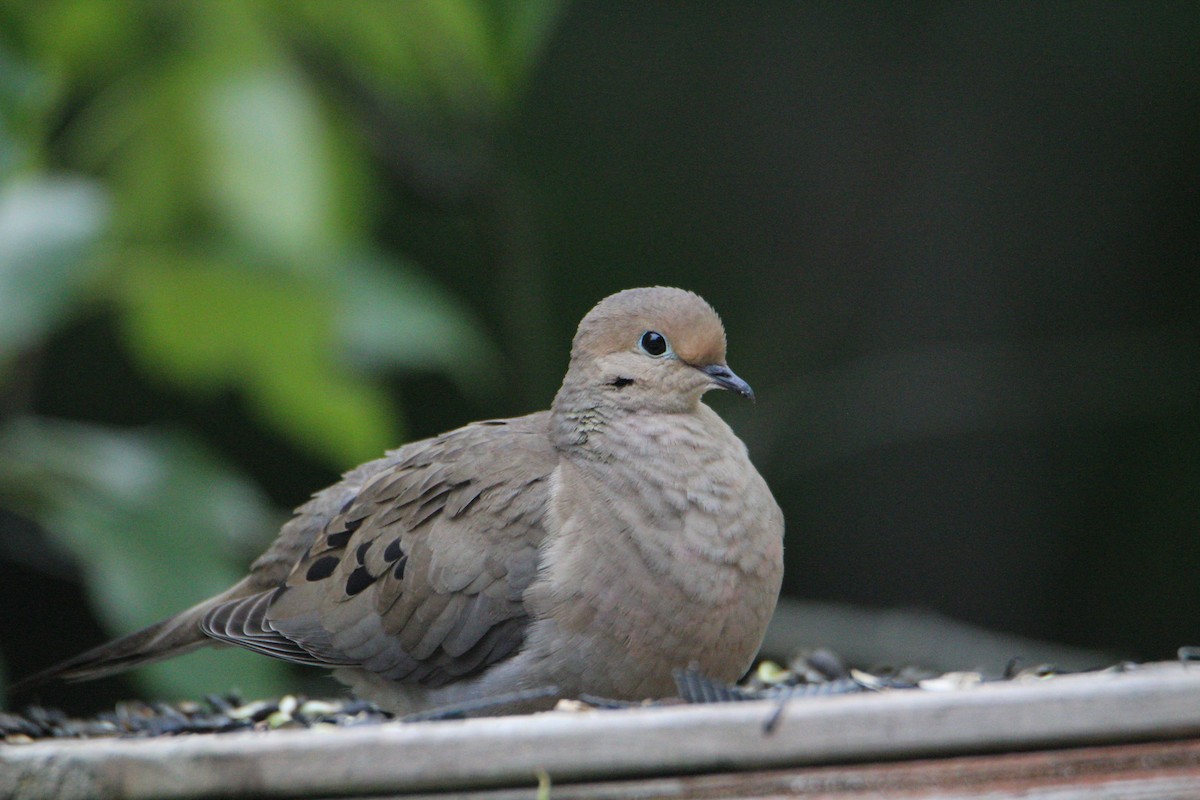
(1153, 702)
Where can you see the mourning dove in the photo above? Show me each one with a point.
(593, 548)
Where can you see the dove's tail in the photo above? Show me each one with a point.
(165, 639)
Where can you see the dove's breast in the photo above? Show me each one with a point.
(666, 552)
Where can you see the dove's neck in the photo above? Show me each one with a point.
(609, 438)
(576, 416)
(598, 427)
(580, 426)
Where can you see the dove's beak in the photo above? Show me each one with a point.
(724, 378)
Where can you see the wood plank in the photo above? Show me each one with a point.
(1155, 771)
(1159, 702)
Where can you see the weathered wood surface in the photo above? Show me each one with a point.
(1153, 703)
(1157, 771)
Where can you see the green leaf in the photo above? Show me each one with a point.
(271, 172)
(393, 315)
(47, 229)
(86, 42)
(207, 325)
(26, 96)
(464, 59)
(156, 522)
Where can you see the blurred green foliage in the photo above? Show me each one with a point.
(190, 169)
(152, 519)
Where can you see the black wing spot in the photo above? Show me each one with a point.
(398, 570)
(359, 579)
(361, 553)
(354, 524)
(393, 552)
(339, 539)
(322, 568)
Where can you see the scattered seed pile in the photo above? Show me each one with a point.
(810, 674)
(217, 714)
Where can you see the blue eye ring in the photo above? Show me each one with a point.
(654, 344)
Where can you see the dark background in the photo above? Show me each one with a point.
(955, 247)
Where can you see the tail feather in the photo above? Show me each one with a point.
(164, 639)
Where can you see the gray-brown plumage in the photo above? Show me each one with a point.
(593, 548)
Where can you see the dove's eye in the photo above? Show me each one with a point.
(654, 344)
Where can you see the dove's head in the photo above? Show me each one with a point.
(656, 349)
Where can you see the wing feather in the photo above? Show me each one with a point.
(416, 570)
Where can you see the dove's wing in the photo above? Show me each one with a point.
(420, 573)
